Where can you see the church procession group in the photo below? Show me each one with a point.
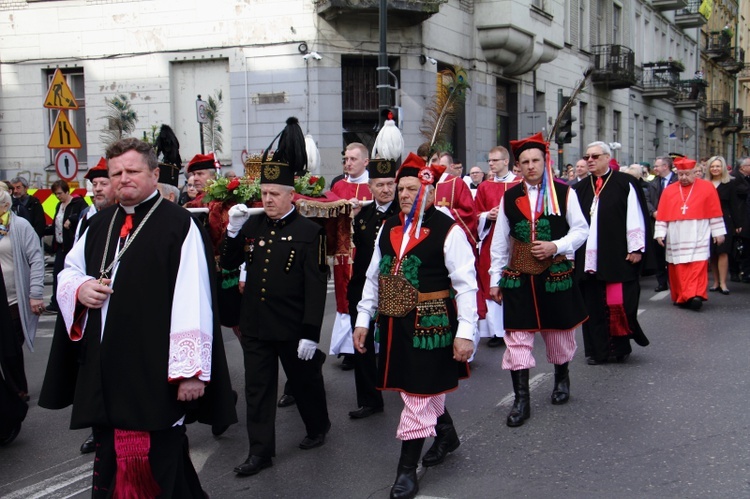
(436, 262)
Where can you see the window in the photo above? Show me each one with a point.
(601, 119)
(539, 4)
(616, 122)
(77, 117)
(616, 27)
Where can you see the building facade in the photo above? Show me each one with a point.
(662, 81)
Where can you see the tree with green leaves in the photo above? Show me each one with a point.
(121, 119)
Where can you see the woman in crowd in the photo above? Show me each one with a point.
(22, 266)
(63, 228)
(731, 207)
(189, 193)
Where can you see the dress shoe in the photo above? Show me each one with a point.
(253, 465)
(661, 287)
(695, 303)
(88, 445)
(286, 401)
(348, 363)
(365, 412)
(594, 362)
(495, 341)
(313, 441)
(714, 288)
(724, 291)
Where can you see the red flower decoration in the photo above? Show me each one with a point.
(312, 180)
(233, 184)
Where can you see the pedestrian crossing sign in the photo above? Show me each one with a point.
(63, 135)
(59, 95)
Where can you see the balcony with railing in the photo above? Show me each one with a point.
(716, 114)
(661, 79)
(690, 16)
(400, 12)
(614, 67)
(735, 64)
(736, 122)
(691, 94)
(718, 45)
(665, 5)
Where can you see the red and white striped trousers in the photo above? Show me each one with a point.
(419, 417)
(561, 346)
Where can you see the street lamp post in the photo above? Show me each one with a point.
(383, 69)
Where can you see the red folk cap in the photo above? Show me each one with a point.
(100, 170)
(201, 162)
(536, 141)
(415, 166)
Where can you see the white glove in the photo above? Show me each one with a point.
(238, 215)
(306, 349)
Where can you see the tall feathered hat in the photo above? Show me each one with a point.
(168, 147)
(389, 144)
(291, 148)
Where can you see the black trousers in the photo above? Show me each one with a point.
(169, 457)
(12, 353)
(261, 390)
(366, 368)
(597, 341)
(59, 265)
(662, 276)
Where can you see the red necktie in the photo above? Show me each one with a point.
(598, 185)
(126, 226)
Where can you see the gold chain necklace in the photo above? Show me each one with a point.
(595, 203)
(104, 273)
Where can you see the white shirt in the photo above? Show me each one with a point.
(459, 260)
(566, 245)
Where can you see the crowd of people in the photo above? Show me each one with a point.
(436, 262)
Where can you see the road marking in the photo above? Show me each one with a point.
(55, 483)
(533, 384)
(659, 296)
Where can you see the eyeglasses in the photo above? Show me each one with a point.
(592, 156)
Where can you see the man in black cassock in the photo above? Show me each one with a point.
(136, 294)
(609, 264)
(366, 225)
(281, 312)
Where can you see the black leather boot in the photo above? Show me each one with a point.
(561, 392)
(521, 410)
(446, 441)
(406, 485)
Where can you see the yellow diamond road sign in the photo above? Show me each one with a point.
(59, 95)
(63, 136)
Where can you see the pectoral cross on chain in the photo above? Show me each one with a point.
(684, 209)
(443, 202)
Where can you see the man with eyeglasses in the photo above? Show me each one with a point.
(473, 179)
(689, 215)
(489, 196)
(609, 263)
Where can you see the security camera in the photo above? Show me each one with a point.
(432, 61)
(314, 55)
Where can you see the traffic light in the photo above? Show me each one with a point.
(565, 131)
